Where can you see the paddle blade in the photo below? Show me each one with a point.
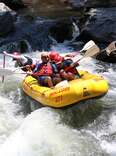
(111, 47)
(88, 45)
(94, 50)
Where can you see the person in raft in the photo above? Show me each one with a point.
(66, 67)
(20, 59)
(45, 72)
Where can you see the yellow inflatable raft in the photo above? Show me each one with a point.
(66, 93)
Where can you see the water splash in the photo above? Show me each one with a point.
(42, 133)
(8, 119)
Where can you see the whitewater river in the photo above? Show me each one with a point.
(87, 129)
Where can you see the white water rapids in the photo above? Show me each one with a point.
(75, 131)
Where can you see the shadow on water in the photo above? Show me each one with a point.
(81, 114)
(28, 104)
(76, 116)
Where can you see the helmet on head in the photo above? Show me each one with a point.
(58, 59)
(53, 55)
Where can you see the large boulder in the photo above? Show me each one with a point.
(13, 4)
(46, 5)
(35, 32)
(6, 20)
(76, 4)
(101, 25)
(64, 29)
(40, 33)
(100, 3)
(106, 58)
(66, 4)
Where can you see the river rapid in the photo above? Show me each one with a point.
(84, 129)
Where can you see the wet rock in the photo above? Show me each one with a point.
(101, 25)
(39, 34)
(13, 4)
(64, 29)
(23, 46)
(6, 20)
(77, 4)
(40, 5)
(100, 3)
(66, 4)
(34, 32)
(105, 58)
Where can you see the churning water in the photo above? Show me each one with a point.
(87, 129)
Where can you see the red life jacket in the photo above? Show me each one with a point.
(66, 66)
(71, 70)
(45, 69)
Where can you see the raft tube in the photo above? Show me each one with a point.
(66, 92)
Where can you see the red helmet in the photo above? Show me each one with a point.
(53, 55)
(58, 59)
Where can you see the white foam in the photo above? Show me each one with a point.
(8, 120)
(110, 148)
(42, 134)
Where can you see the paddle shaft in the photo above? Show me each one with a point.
(3, 67)
(89, 53)
(87, 46)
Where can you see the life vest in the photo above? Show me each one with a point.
(44, 70)
(66, 65)
(71, 70)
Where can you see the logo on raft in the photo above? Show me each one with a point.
(60, 91)
(86, 92)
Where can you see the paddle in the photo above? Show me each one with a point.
(111, 47)
(94, 50)
(87, 46)
(3, 67)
